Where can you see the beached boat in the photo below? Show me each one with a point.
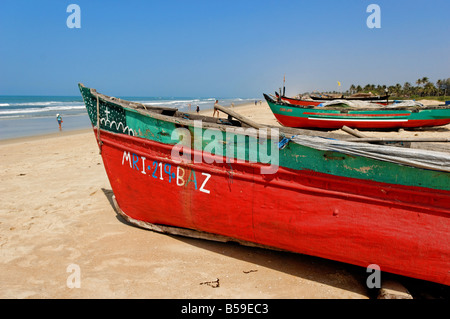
(227, 180)
(315, 101)
(338, 115)
(355, 97)
(294, 101)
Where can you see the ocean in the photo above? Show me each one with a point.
(23, 116)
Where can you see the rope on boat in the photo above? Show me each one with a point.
(284, 141)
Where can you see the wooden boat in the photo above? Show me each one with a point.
(352, 98)
(337, 116)
(351, 202)
(294, 101)
(315, 101)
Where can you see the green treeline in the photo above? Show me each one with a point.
(422, 88)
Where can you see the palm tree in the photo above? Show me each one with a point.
(446, 86)
(378, 89)
(407, 88)
(439, 85)
(419, 89)
(398, 89)
(429, 88)
(352, 89)
(424, 82)
(391, 89)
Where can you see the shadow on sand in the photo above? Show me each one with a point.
(328, 272)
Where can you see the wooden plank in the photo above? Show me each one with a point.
(239, 117)
(362, 136)
(352, 132)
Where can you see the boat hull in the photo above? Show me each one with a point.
(318, 101)
(367, 99)
(357, 222)
(300, 102)
(352, 209)
(326, 118)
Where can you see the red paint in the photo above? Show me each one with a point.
(300, 102)
(292, 121)
(404, 230)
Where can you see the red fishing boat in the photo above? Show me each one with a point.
(315, 101)
(227, 180)
(355, 97)
(339, 115)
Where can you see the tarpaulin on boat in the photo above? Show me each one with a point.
(367, 104)
(405, 156)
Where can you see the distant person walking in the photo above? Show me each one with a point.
(59, 120)
(216, 110)
(198, 109)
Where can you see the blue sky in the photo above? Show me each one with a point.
(218, 48)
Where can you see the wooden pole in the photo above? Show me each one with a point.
(352, 132)
(239, 117)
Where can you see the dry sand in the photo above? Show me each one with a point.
(56, 211)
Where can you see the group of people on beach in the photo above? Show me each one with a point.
(215, 110)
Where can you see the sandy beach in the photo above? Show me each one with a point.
(56, 212)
